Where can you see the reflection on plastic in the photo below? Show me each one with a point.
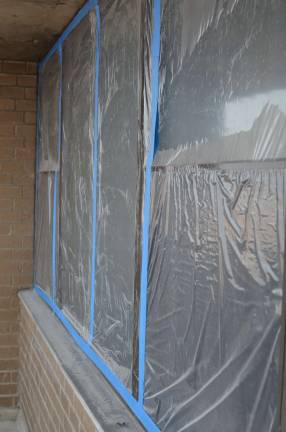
(76, 172)
(218, 218)
(120, 175)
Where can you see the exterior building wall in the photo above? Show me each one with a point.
(17, 151)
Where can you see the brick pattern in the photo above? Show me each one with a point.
(47, 396)
(17, 144)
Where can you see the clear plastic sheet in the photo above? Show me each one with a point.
(48, 164)
(123, 114)
(218, 218)
(43, 231)
(76, 190)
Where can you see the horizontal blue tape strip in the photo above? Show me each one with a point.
(77, 19)
(91, 354)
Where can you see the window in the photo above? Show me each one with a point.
(160, 208)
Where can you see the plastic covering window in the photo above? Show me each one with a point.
(215, 289)
(76, 187)
(47, 166)
(218, 218)
(119, 196)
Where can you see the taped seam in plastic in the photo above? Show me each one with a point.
(134, 406)
(94, 197)
(73, 24)
(147, 196)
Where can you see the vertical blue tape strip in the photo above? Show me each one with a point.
(95, 152)
(147, 197)
(94, 357)
(56, 186)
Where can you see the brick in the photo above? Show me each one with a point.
(8, 79)
(8, 315)
(6, 204)
(10, 191)
(6, 130)
(7, 402)
(5, 179)
(25, 131)
(14, 67)
(12, 166)
(23, 280)
(25, 105)
(5, 377)
(7, 104)
(26, 80)
(9, 267)
(22, 254)
(30, 93)
(12, 92)
(31, 68)
(8, 352)
(25, 153)
(27, 192)
(9, 242)
(11, 116)
(6, 153)
(17, 154)
(30, 118)
(5, 229)
(11, 141)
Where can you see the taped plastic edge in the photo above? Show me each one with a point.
(147, 196)
(94, 197)
(72, 25)
(134, 406)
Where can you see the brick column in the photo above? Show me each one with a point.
(17, 150)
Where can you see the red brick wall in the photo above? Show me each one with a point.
(48, 398)
(17, 144)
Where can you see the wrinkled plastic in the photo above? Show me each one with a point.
(123, 120)
(217, 231)
(76, 190)
(48, 164)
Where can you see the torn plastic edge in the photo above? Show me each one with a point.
(134, 405)
(94, 180)
(71, 26)
(155, 54)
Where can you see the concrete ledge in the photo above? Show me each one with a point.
(108, 411)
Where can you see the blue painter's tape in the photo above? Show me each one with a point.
(95, 152)
(77, 19)
(94, 357)
(147, 197)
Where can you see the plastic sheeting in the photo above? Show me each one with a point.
(123, 118)
(218, 218)
(77, 171)
(48, 164)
